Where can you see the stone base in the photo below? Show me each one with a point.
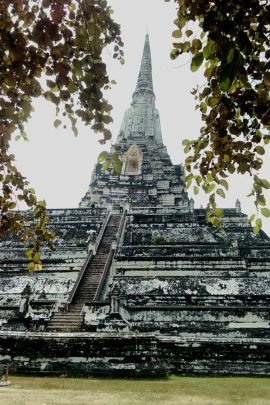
(127, 354)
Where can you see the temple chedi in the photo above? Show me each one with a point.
(140, 282)
(148, 177)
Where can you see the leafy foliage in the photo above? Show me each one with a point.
(230, 40)
(158, 240)
(59, 43)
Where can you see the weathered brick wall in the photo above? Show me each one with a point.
(129, 354)
(197, 281)
(74, 228)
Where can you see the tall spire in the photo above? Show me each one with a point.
(145, 81)
(141, 120)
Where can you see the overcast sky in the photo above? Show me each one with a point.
(59, 166)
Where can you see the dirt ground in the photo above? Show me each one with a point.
(171, 391)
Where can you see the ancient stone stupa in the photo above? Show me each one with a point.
(140, 282)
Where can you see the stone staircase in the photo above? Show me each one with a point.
(71, 320)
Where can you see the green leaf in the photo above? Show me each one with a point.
(31, 266)
(107, 119)
(174, 53)
(36, 257)
(106, 164)
(196, 62)
(221, 192)
(251, 219)
(260, 150)
(265, 183)
(177, 34)
(72, 87)
(256, 229)
(24, 136)
(215, 221)
(227, 77)
(186, 46)
(203, 107)
(117, 166)
(213, 101)
(225, 184)
(74, 130)
(197, 44)
(29, 253)
(258, 226)
(258, 222)
(57, 123)
(102, 156)
(181, 21)
(208, 49)
(261, 200)
(189, 178)
(196, 190)
(209, 188)
(198, 179)
(265, 212)
(12, 205)
(218, 212)
(42, 204)
(230, 54)
(209, 72)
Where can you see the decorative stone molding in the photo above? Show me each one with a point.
(132, 161)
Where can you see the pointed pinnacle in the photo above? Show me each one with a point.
(145, 81)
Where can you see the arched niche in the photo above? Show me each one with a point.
(132, 161)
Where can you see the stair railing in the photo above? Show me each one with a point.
(120, 232)
(109, 260)
(104, 226)
(88, 259)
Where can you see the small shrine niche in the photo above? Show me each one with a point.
(132, 166)
(132, 161)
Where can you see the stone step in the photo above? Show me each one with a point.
(64, 323)
(86, 287)
(89, 285)
(71, 320)
(61, 329)
(69, 316)
(86, 293)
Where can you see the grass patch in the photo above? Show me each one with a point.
(171, 391)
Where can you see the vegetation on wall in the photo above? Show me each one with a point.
(158, 239)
